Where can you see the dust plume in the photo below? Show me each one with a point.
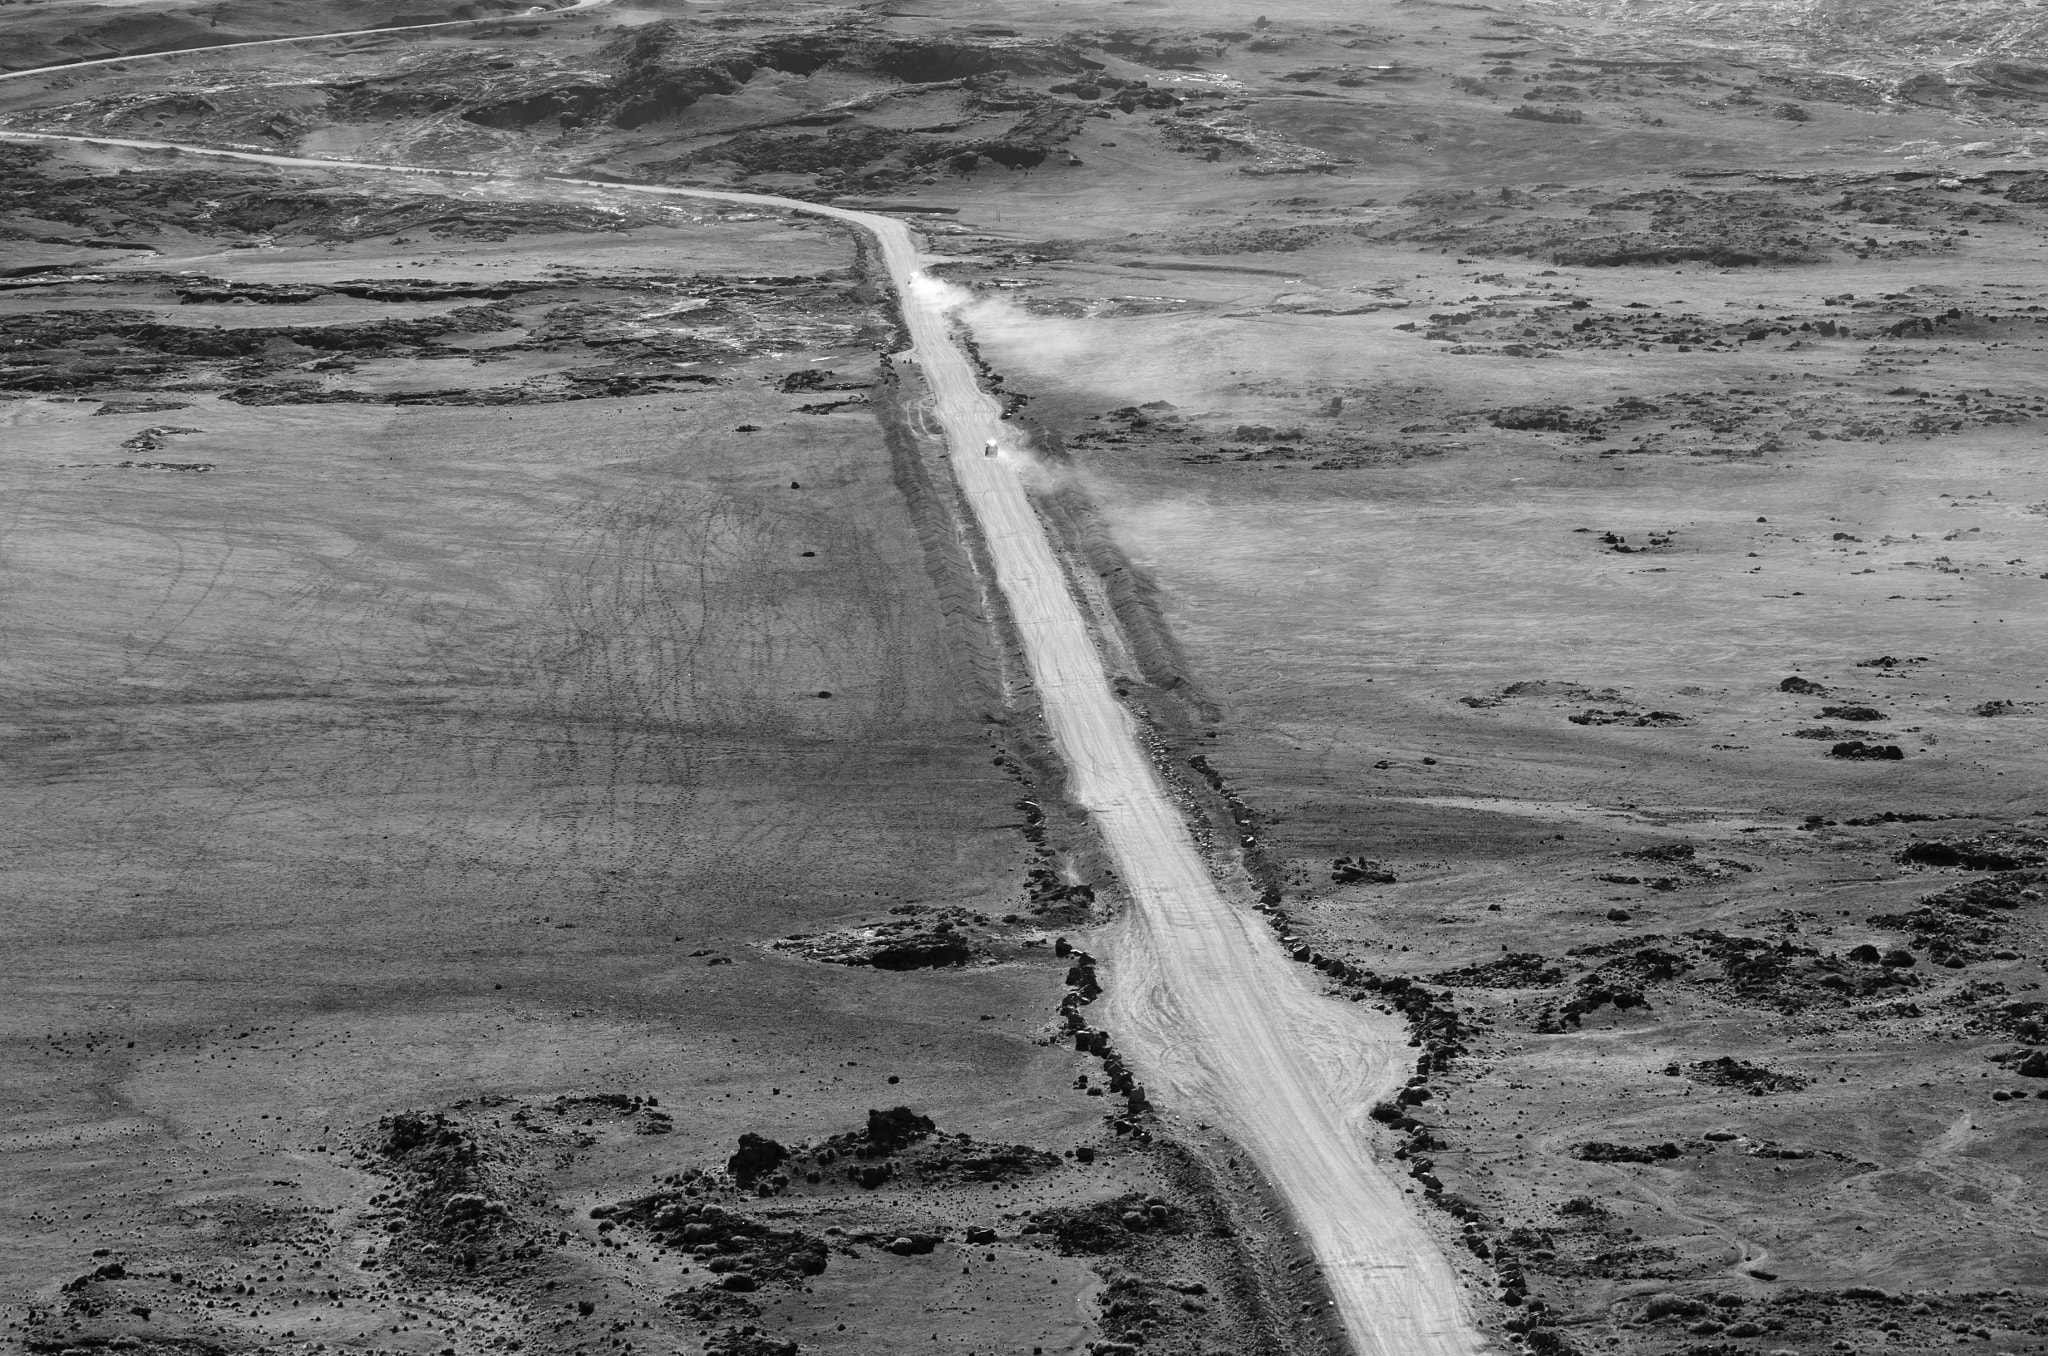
(1107, 360)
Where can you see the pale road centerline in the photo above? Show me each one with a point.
(1203, 1000)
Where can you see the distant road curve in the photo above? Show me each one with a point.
(538, 12)
(1203, 1000)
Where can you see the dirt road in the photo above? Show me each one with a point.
(1202, 999)
(1201, 996)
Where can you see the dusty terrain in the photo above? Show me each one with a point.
(1530, 468)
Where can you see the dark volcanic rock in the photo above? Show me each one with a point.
(1863, 713)
(919, 938)
(1730, 1072)
(1107, 1226)
(757, 1157)
(1986, 852)
(1351, 870)
(1516, 970)
(1856, 748)
(734, 1244)
(897, 1128)
(1962, 924)
(1598, 1151)
(748, 1341)
(920, 951)
(964, 1160)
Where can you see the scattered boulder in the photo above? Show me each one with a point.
(1350, 870)
(1540, 418)
(1753, 1079)
(817, 379)
(712, 1306)
(921, 939)
(756, 1158)
(1570, 116)
(1081, 977)
(1599, 1151)
(1963, 924)
(1859, 713)
(1516, 970)
(1856, 748)
(431, 1145)
(961, 1159)
(1107, 1226)
(920, 951)
(1595, 992)
(743, 1251)
(1638, 719)
(870, 1175)
(110, 1271)
(748, 1341)
(1804, 687)
(897, 1128)
(1985, 852)
(1668, 1305)
(469, 1207)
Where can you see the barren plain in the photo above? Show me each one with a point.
(529, 822)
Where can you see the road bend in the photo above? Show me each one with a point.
(1201, 997)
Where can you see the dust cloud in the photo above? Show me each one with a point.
(1093, 359)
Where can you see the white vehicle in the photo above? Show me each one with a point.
(988, 449)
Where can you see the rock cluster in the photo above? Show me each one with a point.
(743, 1252)
(1107, 1226)
(1083, 987)
(1729, 1072)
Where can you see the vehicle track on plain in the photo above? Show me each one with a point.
(1203, 1000)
